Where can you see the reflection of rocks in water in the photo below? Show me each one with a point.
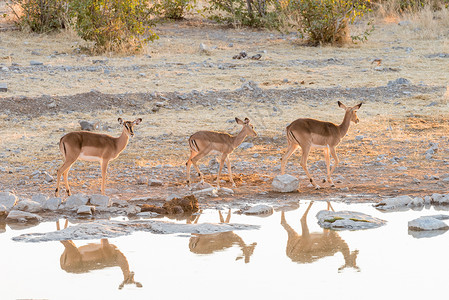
(310, 247)
(2, 227)
(428, 226)
(186, 205)
(210, 243)
(95, 256)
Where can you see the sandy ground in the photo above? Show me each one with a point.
(177, 90)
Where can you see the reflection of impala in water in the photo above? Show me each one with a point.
(310, 247)
(210, 243)
(94, 257)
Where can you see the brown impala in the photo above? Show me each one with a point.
(203, 142)
(92, 146)
(311, 133)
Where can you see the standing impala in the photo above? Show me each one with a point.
(91, 146)
(311, 133)
(203, 142)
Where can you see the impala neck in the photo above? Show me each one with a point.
(122, 140)
(344, 126)
(239, 138)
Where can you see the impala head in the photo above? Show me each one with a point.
(129, 125)
(247, 126)
(352, 111)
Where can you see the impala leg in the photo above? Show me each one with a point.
(336, 160)
(328, 162)
(228, 163)
(290, 150)
(228, 217)
(189, 164)
(196, 158)
(304, 227)
(222, 160)
(64, 168)
(104, 170)
(305, 155)
(66, 181)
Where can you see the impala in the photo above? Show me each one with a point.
(311, 246)
(91, 146)
(94, 257)
(203, 142)
(311, 133)
(216, 242)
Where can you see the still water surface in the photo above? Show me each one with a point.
(269, 263)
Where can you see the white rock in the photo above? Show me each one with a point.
(52, 203)
(29, 206)
(285, 183)
(147, 214)
(341, 220)
(226, 191)
(427, 223)
(22, 216)
(440, 199)
(85, 210)
(417, 201)
(100, 200)
(427, 199)
(8, 200)
(201, 186)
(40, 198)
(211, 192)
(394, 203)
(260, 209)
(155, 182)
(133, 210)
(75, 201)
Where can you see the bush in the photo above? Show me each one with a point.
(41, 15)
(173, 9)
(255, 13)
(326, 21)
(113, 25)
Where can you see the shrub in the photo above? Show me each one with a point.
(326, 21)
(173, 9)
(41, 15)
(255, 13)
(113, 25)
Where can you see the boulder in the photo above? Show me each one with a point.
(211, 192)
(440, 199)
(154, 182)
(394, 203)
(427, 223)
(285, 183)
(22, 216)
(226, 191)
(75, 201)
(86, 210)
(40, 198)
(201, 186)
(52, 203)
(100, 200)
(8, 200)
(260, 209)
(347, 220)
(29, 206)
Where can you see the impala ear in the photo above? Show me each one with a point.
(240, 122)
(357, 106)
(120, 121)
(341, 105)
(137, 121)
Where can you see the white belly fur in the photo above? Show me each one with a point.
(319, 146)
(89, 158)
